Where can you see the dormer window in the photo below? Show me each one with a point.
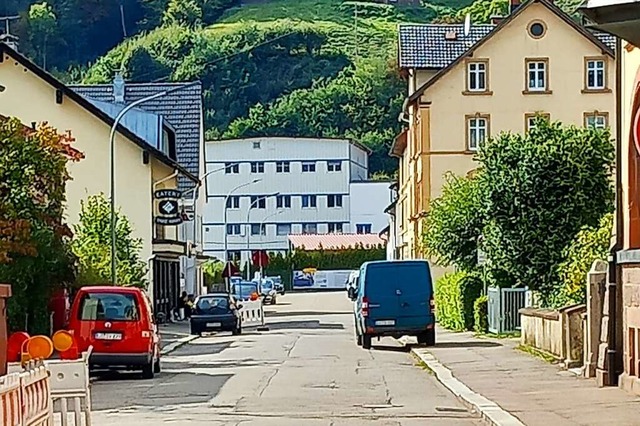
(168, 143)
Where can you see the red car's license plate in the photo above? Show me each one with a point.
(108, 336)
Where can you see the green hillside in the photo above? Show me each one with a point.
(270, 67)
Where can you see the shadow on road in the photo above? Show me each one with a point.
(305, 325)
(403, 349)
(203, 347)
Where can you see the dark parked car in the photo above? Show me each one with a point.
(216, 312)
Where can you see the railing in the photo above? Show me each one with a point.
(504, 307)
(25, 397)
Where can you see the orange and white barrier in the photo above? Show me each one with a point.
(26, 398)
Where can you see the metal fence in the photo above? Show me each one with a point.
(504, 307)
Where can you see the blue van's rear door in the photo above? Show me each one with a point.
(399, 294)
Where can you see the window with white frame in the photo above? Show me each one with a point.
(595, 74)
(233, 202)
(258, 229)
(308, 167)
(233, 229)
(477, 131)
(283, 201)
(232, 168)
(334, 200)
(477, 76)
(283, 229)
(309, 201)
(283, 167)
(335, 228)
(309, 228)
(597, 120)
(258, 202)
(257, 167)
(537, 75)
(334, 166)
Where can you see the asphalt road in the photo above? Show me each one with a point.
(307, 370)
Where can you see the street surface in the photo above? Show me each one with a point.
(307, 370)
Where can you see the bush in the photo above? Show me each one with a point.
(455, 295)
(589, 245)
(481, 314)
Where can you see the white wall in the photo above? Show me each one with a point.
(368, 201)
(270, 151)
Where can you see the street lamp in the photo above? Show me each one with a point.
(261, 225)
(112, 160)
(226, 200)
(275, 194)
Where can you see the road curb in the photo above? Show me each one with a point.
(175, 345)
(489, 410)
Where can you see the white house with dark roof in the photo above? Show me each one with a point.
(464, 86)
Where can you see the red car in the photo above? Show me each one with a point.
(118, 323)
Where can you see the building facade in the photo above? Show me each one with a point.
(143, 165)
(465, 86)
(261, 190)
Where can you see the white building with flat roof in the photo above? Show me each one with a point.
(261, 190)
(368, 201)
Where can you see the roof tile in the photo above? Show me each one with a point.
(334, 241)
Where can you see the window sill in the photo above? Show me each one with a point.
(537, 92)
(593, 91)
(470, 151)
(479, 93)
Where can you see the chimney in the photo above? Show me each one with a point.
(118, 89)
(515, 4)
(496, 19)
(451, 35)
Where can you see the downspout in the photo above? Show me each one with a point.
(614, 272)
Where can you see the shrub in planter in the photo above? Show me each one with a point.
(455, 295)
(481, 314)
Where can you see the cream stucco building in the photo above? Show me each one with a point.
(465, 86)
(142, 166)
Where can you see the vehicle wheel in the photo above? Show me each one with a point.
(358, 340)
(427, 338)
(195, 332)
(366, 341)
(157, 368)
(283, 291)
(237, 331)
(273, 301)
(148, 371)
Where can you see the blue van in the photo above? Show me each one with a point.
(395, 298)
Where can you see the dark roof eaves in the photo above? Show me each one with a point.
(555, 9)
(79, 99)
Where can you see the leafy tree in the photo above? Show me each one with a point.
(454, 223)
(34, 251)
(213, 271)
(540, 189)
(92, 246)
(183, 12)
(43, 26)
(589, 245)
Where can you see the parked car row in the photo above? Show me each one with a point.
(393, 298)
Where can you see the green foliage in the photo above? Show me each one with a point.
(361, 103)
(481, 12)
(213, 272)
(481, 314)
(92, 246)
(589, 245)
(540, 189)
(183, 12)
(455, 294)
(34, 252)
(43, 25)
(454, 223)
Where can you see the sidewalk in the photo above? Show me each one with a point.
(174, 334)
(534, 391)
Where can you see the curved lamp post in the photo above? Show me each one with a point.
(275, 194)
(261, 225)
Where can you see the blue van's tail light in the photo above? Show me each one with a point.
(364, 309)
(432, 303)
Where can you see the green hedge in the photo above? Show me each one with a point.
(481, 314)
(455, 296)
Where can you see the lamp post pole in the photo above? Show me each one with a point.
(224, 230)
(112, 160)
(275, 194)
(261, 225)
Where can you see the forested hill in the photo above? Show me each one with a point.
(279, 67)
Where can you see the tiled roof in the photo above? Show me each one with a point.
(426, 46)
(334, 241)
(182, 109)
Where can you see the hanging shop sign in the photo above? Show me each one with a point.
(168, 207)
